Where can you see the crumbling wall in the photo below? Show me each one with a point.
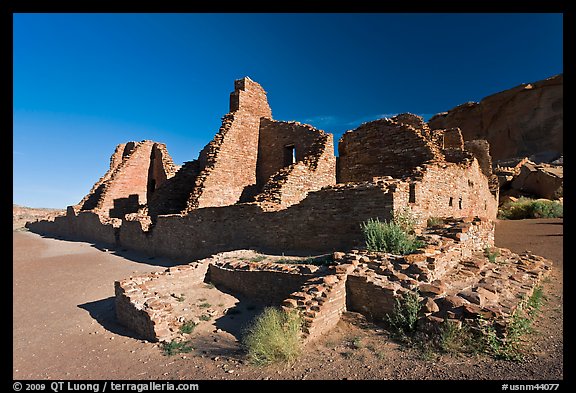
(293, 159)
(321, 302)
(137, 169)
(447, 190)
(384, 147)
(480, 148)
(519, 122)
(172, 196)
(229, 162)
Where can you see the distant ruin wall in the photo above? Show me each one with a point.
(136, 171)
(524, 120)
(382, 148)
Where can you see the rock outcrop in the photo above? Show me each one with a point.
(520, 122)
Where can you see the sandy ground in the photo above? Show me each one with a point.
(64, 325)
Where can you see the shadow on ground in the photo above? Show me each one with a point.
(104, 312)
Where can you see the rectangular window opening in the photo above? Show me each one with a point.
(289, 155)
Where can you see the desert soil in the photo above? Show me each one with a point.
(64, 325)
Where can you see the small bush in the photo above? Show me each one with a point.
(205, 317)
(388, 237)
(176, 347)
(491, 254)
(205, 305)
(402, 320)
(453, 339)
(274, 336)
(187, 327)
(510, 346)
(434, 222)
(531, 208)
(357, 342)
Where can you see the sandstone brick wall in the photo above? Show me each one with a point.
(315, 166)
(172, 196)
(321, 302)
(447, 190)
(137, 169)
(229, 162)
(141, 302)
(480, 148)
(325, 221)
(384, 147)
(267, 285)
(83, 226)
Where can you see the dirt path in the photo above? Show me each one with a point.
(64, 325)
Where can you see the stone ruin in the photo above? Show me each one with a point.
(276, 187)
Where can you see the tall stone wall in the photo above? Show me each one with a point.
(137, 169)
(229, 162)
(524, 120)
(384, 147)
(172, 196)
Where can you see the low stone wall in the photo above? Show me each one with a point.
(144, 307)
(268, 283)
(82, 226)
(321, 302)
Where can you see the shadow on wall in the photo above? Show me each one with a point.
(104, 312)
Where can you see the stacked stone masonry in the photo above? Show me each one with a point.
(274, 187)
(451, 274)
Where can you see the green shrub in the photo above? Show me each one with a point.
(388, 237)
(274, 336)
(531, 208)
(491, 254)
(187, 327)
(176, 347)
(402, 320)
(510, 346)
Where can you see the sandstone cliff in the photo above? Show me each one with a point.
(523, 121)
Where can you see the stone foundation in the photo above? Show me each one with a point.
(451, 274)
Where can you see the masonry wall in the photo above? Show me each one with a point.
(173, 194)
(137, 169)
(315, 166)
(373, 299)
(91, 200)
(448, 190)
(229, 162)
(268, 287)
(81, 226)
(325, 221)
(383, 147)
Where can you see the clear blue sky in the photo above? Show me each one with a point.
(84, 83)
